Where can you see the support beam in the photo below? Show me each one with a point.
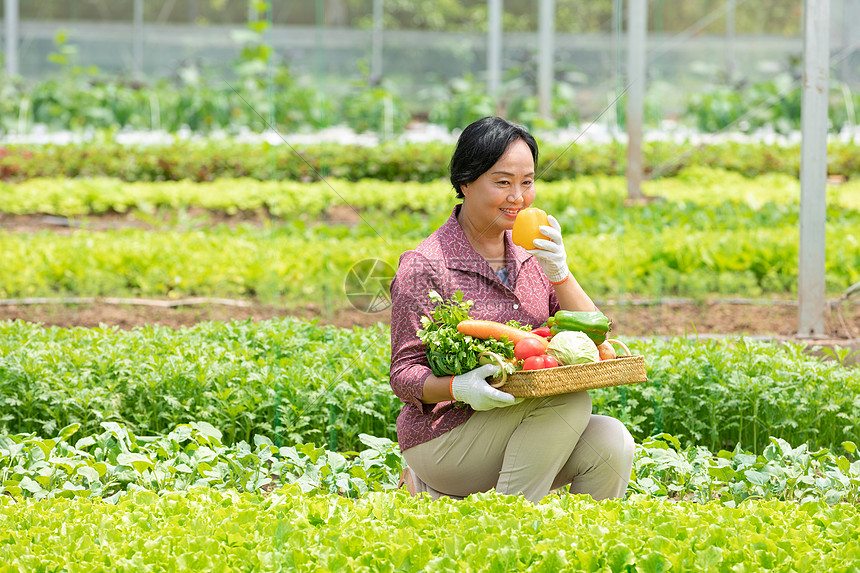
(618, 43)
(813, 168)
(12, 12)
(494, 47)
(376, 56)
(546, 56)
(637, 28)
(137, 39)
(320, 41)
(731, 64)
(850, 13)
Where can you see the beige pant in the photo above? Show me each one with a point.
(530, 448)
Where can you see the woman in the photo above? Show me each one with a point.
(527, 447)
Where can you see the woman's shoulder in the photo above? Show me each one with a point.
(419, 260)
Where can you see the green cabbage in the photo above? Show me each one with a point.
(572, 347)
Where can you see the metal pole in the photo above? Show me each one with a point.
(320, 49)
(849, 24)
(138, 40)
(618, 32)
(376, 61)
(546, 56)
(494, 46)
(730, 39)
(12, 20)
(637, 28)
(813, 168)
(268, 38)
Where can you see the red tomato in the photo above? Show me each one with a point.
(539, 362)
(542, 331)
(528, 347)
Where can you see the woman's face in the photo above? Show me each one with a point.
(495, 198)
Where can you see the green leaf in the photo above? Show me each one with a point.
(68, 431)
(138, 461)
(710, 557)
(90, 473)
(84, 442)
(312, 451)
(654, 563)
(381, 445)
(45, 447)
(261, 439)
(669, 439)
(336, 462)
(207, 430)
(722, 473)
(619, 557)
(757, 478)
(12, 488)
(30, 485)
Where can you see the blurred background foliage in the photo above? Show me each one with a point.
(237, 65)
(777, 17)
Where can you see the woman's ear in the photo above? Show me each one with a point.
(464, 188)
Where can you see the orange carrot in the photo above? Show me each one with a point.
(485, 329)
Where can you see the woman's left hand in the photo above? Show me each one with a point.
(551, 254)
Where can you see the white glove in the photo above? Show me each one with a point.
(472, 388)
(550, 254)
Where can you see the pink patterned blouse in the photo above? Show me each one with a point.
(446, 263)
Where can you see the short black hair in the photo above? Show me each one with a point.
(481, 145)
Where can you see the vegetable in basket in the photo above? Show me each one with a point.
(528, 347)
(449, 351)
(593, 323)
(543, 331)
(606, 351)
(572, 347)
(539, 362)
(488, 329)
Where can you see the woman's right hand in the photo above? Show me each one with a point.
(551, 254)
(472, 388)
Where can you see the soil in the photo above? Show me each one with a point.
(767, 322)
(636, 318)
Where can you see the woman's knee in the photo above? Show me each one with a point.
(573, 410)
(613, 436)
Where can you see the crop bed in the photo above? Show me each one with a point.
(296, 381)
(686, 245)
(289, 530)
(184, 502)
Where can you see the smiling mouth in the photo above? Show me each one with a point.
(510, 211)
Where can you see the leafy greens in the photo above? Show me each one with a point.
(451, 352)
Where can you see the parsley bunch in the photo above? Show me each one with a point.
(448, 350)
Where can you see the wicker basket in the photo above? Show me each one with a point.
(550, 381)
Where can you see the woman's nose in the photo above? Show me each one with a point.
(515, 195)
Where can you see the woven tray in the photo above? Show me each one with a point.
(550, 381)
